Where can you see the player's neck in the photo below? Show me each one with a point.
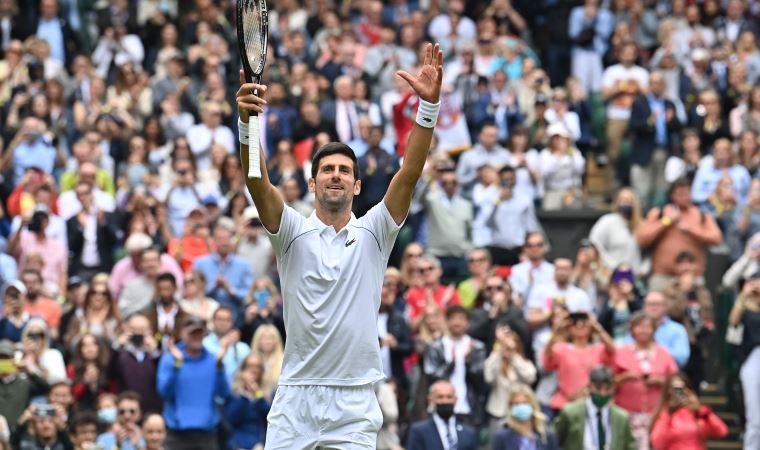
(336, 219)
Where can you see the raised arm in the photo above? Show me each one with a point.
(427, 85)
(267, 198)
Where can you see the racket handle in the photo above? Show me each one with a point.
(254, 156)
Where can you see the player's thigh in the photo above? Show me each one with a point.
(353, 420)
(290, 423)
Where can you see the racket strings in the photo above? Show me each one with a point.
(253, 35)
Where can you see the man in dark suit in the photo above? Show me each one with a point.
(343, 112)
(90, 253)
(165, 314)
(609, 427)
(653, 125)
(64, 43)
(441, 431)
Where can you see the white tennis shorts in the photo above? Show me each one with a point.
(324, 418)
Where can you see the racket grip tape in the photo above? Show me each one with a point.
(254, 156)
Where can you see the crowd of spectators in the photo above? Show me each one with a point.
(140, 296)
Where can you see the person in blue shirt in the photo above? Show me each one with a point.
(223, 330)
(125, 433)
(670, 334)
(247, 409)
(229, 276)
(190, 379)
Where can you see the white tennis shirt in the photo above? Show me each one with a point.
(331, 285)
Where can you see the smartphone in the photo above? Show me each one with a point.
(262, 297)
(44, 410)
(137, 340)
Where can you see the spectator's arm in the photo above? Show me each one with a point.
(525, 369)
(650, 228)
(221, 386)
(492, 367)
(680, 347)
(166, 378)
(710, 425)
(660, 436)
(734, 273)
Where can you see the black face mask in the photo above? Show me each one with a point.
(625, 211)
(444, 410)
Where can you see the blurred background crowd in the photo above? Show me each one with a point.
(140, 300)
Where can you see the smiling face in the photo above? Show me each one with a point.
(335, 185)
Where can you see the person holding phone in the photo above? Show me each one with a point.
(134, 363)
(682, 422)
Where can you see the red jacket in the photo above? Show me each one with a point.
(683, 430)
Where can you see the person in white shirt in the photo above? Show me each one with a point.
(561, 166)
(534, 270)
(331, 266)
(203, 136)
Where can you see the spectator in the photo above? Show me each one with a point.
(708, 119)
(154, 432)
(560, 113)
(534, 270)
(247, 409)
(194, 242)
(525, 161)
(264, 307)
(505, 369)
(431, 290)
(459, 359)
(253, 244)
(746, 312)
(589, 28)
(575, 426)
(31, 148)
(267, 345)
(126, 433)
(15, 318)
(653, 125)
(682, 422)
(163, 312)
(573, 355)
(211, 130)
(678, 226)
(194, 300)
(138, 292)
(229, 275)
(99, 317)
(486, 151)
(17, 386)
(589, 272)
(526, 425)
(224, 334)
(395, 337)
(128, 268)
(744, 267)
(621, 303)
(25, 243)
(709, 174)
(186, 194)
(511, 222)
(377, 166)
(641, 370)
(561, 167)
(88, 370)
(449, 220)
(442, 429)
(134, 363)
(91, 237)
(38, 357)
(41, 431)
(685, 163)
(189, 378)
(479, 266)
(497, 308)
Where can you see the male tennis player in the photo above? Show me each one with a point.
(331, 266)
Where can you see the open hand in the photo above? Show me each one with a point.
(246, 100)
(427, 83)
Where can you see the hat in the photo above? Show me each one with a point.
(7, 348)
(210, 199)
(193, 323)
(541, 98)
(17, 285)
(557, 129)
(75, 280)
(250, 213)
(137, 242)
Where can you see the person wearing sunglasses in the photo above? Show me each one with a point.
(622, 301)
(125, 433)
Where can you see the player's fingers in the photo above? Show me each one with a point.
(242, 77)
(406, 76)
(439, 55)
(428, 54)
(251, 98)
(250, 107)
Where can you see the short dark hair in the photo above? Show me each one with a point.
(83, 419)
(223, 308)
(129, 395)
(506, 169)
(333, 148)
(680, 183)
(456, 309)
(166, 276)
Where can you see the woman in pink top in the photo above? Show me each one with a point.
(574, 360)
(641, 369)
(682, 423)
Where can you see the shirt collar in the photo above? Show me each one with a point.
(321, 226)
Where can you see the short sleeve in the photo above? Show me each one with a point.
(380, 223)
(291, 225)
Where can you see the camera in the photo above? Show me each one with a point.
(35, 224)
(44, 410)
(137, 340)
(578, 316)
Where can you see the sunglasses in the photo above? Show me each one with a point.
(424, 270)
(534, 245)
(477, 260)
(189, 280)
(36, 336)
(413, 255)
(125, 411)
(494, 288)
(100, 292)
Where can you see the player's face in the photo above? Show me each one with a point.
(335, 186)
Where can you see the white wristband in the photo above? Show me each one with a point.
(243, 134)
(427, 113)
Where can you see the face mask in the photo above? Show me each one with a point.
(444, 410)
(625, 211)
(107, 415)
(7, 367)
(522, 412)
(600, 400)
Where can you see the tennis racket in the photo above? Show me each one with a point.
(252, 30)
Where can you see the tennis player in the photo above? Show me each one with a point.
(331, 267)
